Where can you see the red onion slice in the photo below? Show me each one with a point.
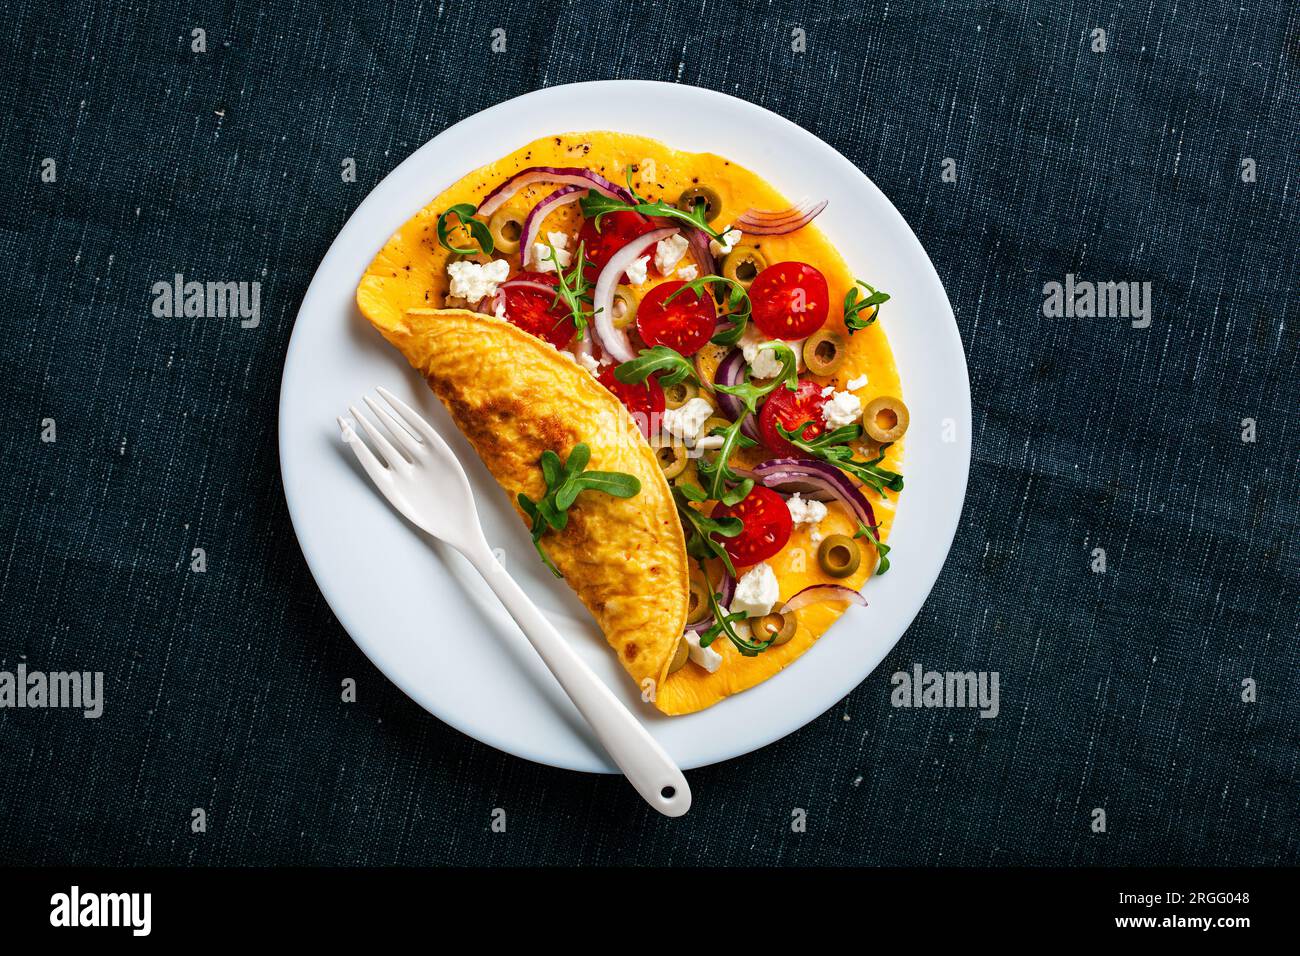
(816, 593)
(615, 341)
(537, 215)
(759, 217)
(731, 371)
(726, 588)
(527, 284)
(565, 175)
(771, 217)
(817, 479)
(762, 224)
(701, 252)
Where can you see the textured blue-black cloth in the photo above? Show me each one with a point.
(1162, 691)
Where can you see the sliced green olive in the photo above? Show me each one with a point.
(824, 352)
(697, 607)
(777, 627)
(839, 555)
(743, 264)
(672, 459)
(626, 302)
(679, 656)
(506, 228)
(885, 419)
(701, 195)
(675, 396)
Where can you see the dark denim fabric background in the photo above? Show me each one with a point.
(1119, 690)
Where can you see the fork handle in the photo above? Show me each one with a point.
(643, 761)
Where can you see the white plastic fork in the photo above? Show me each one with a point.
(421, 478)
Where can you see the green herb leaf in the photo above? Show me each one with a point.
(717, 473)
(672, 366)
(831, 447)
(578, 459)
(882, 549)
(552, 470)
(613, 483)
(692, 492)
(564, 482)
(465, 223)
(855, 303)
(724, 623)
(596, 206)
(700, 528)
(573, 290)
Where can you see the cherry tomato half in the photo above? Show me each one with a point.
(535, 311)
(790, 300)
(685, 324)
(645, 401)
(616, 231)
(791, 409)
(767, 524)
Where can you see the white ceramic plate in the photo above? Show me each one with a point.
(417, 609)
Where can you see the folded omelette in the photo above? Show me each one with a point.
(477, 307)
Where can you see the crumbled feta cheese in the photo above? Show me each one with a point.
(763, 363)
(472, 281)
(636, 271)
(500, 310)
(688, 273)
(756, 591)
(686, 422)
(856, 383)
(840, 408)
(706, 657)
(730, 239)
(669, 252)
(584, 359)
(542, 260)
(805, 511)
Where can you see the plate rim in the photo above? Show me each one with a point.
(622, 89)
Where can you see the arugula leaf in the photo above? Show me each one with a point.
(564, 482)
(723, 621)
(833, 447)
(700, 528)
(718, 473)
(882, 549)
(855, 304)
(476, 229)
(578, 459)
(675, 368)
(574, 291)
(596, 206)
(552, 470)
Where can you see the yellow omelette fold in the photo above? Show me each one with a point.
(514, 397)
